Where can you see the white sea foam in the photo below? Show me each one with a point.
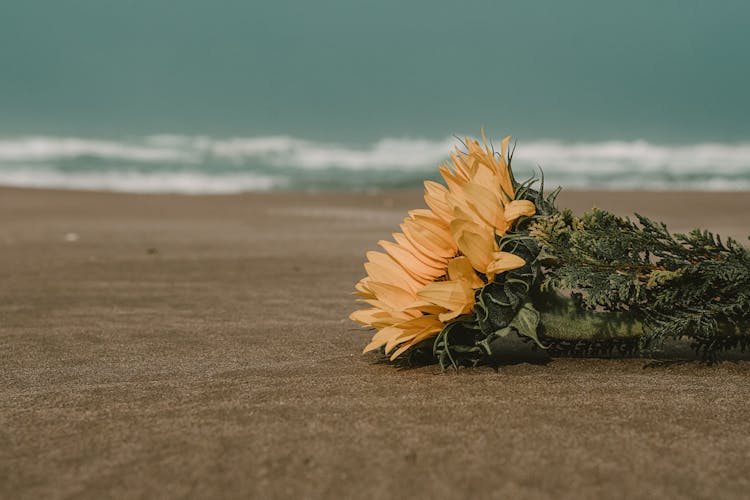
(275, 150)
(36, 148)
(614, 156)
(288, 151)
(194, 164)
(140, 182)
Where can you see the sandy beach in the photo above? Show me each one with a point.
(157, 346)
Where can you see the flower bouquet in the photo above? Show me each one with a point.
(494, 258)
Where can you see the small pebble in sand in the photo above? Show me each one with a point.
(72, 237)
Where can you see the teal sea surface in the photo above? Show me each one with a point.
(228, 95)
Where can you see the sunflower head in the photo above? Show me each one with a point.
(428, 275)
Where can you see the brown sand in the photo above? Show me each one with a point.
(199, 347)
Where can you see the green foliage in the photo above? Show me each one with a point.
(681, 286)
(458, 343)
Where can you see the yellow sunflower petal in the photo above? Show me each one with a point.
(425, 307)
(478, 247)
(364, 316)
(466, 221)
(377, 304)
(430, 260)
(395, 340)
(414, 266)
(504, 147)
(504, 261)
(383, 268)
(398, 352)
(414, 341)
(459, 269)
(452, 295)
(381, 338)
(435, 198)
(393, 296)
(410, 329)
(429, 238)
(462, 209)
(519, 208)
(486, 204)
(452, 181)
(379, 318)
(449, 315)
(362, 290)
(462, 169)
(505, 182)
(487, 176)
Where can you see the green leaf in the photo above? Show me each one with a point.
(526, 323)
(485, 343)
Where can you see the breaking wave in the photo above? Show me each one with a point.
(198, 164)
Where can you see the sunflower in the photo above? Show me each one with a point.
(427, 276)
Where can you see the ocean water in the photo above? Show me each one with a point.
(200, 164)
(230, 95)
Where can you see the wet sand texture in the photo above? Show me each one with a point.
(198, 347)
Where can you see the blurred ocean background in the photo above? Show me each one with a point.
(230, 96)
